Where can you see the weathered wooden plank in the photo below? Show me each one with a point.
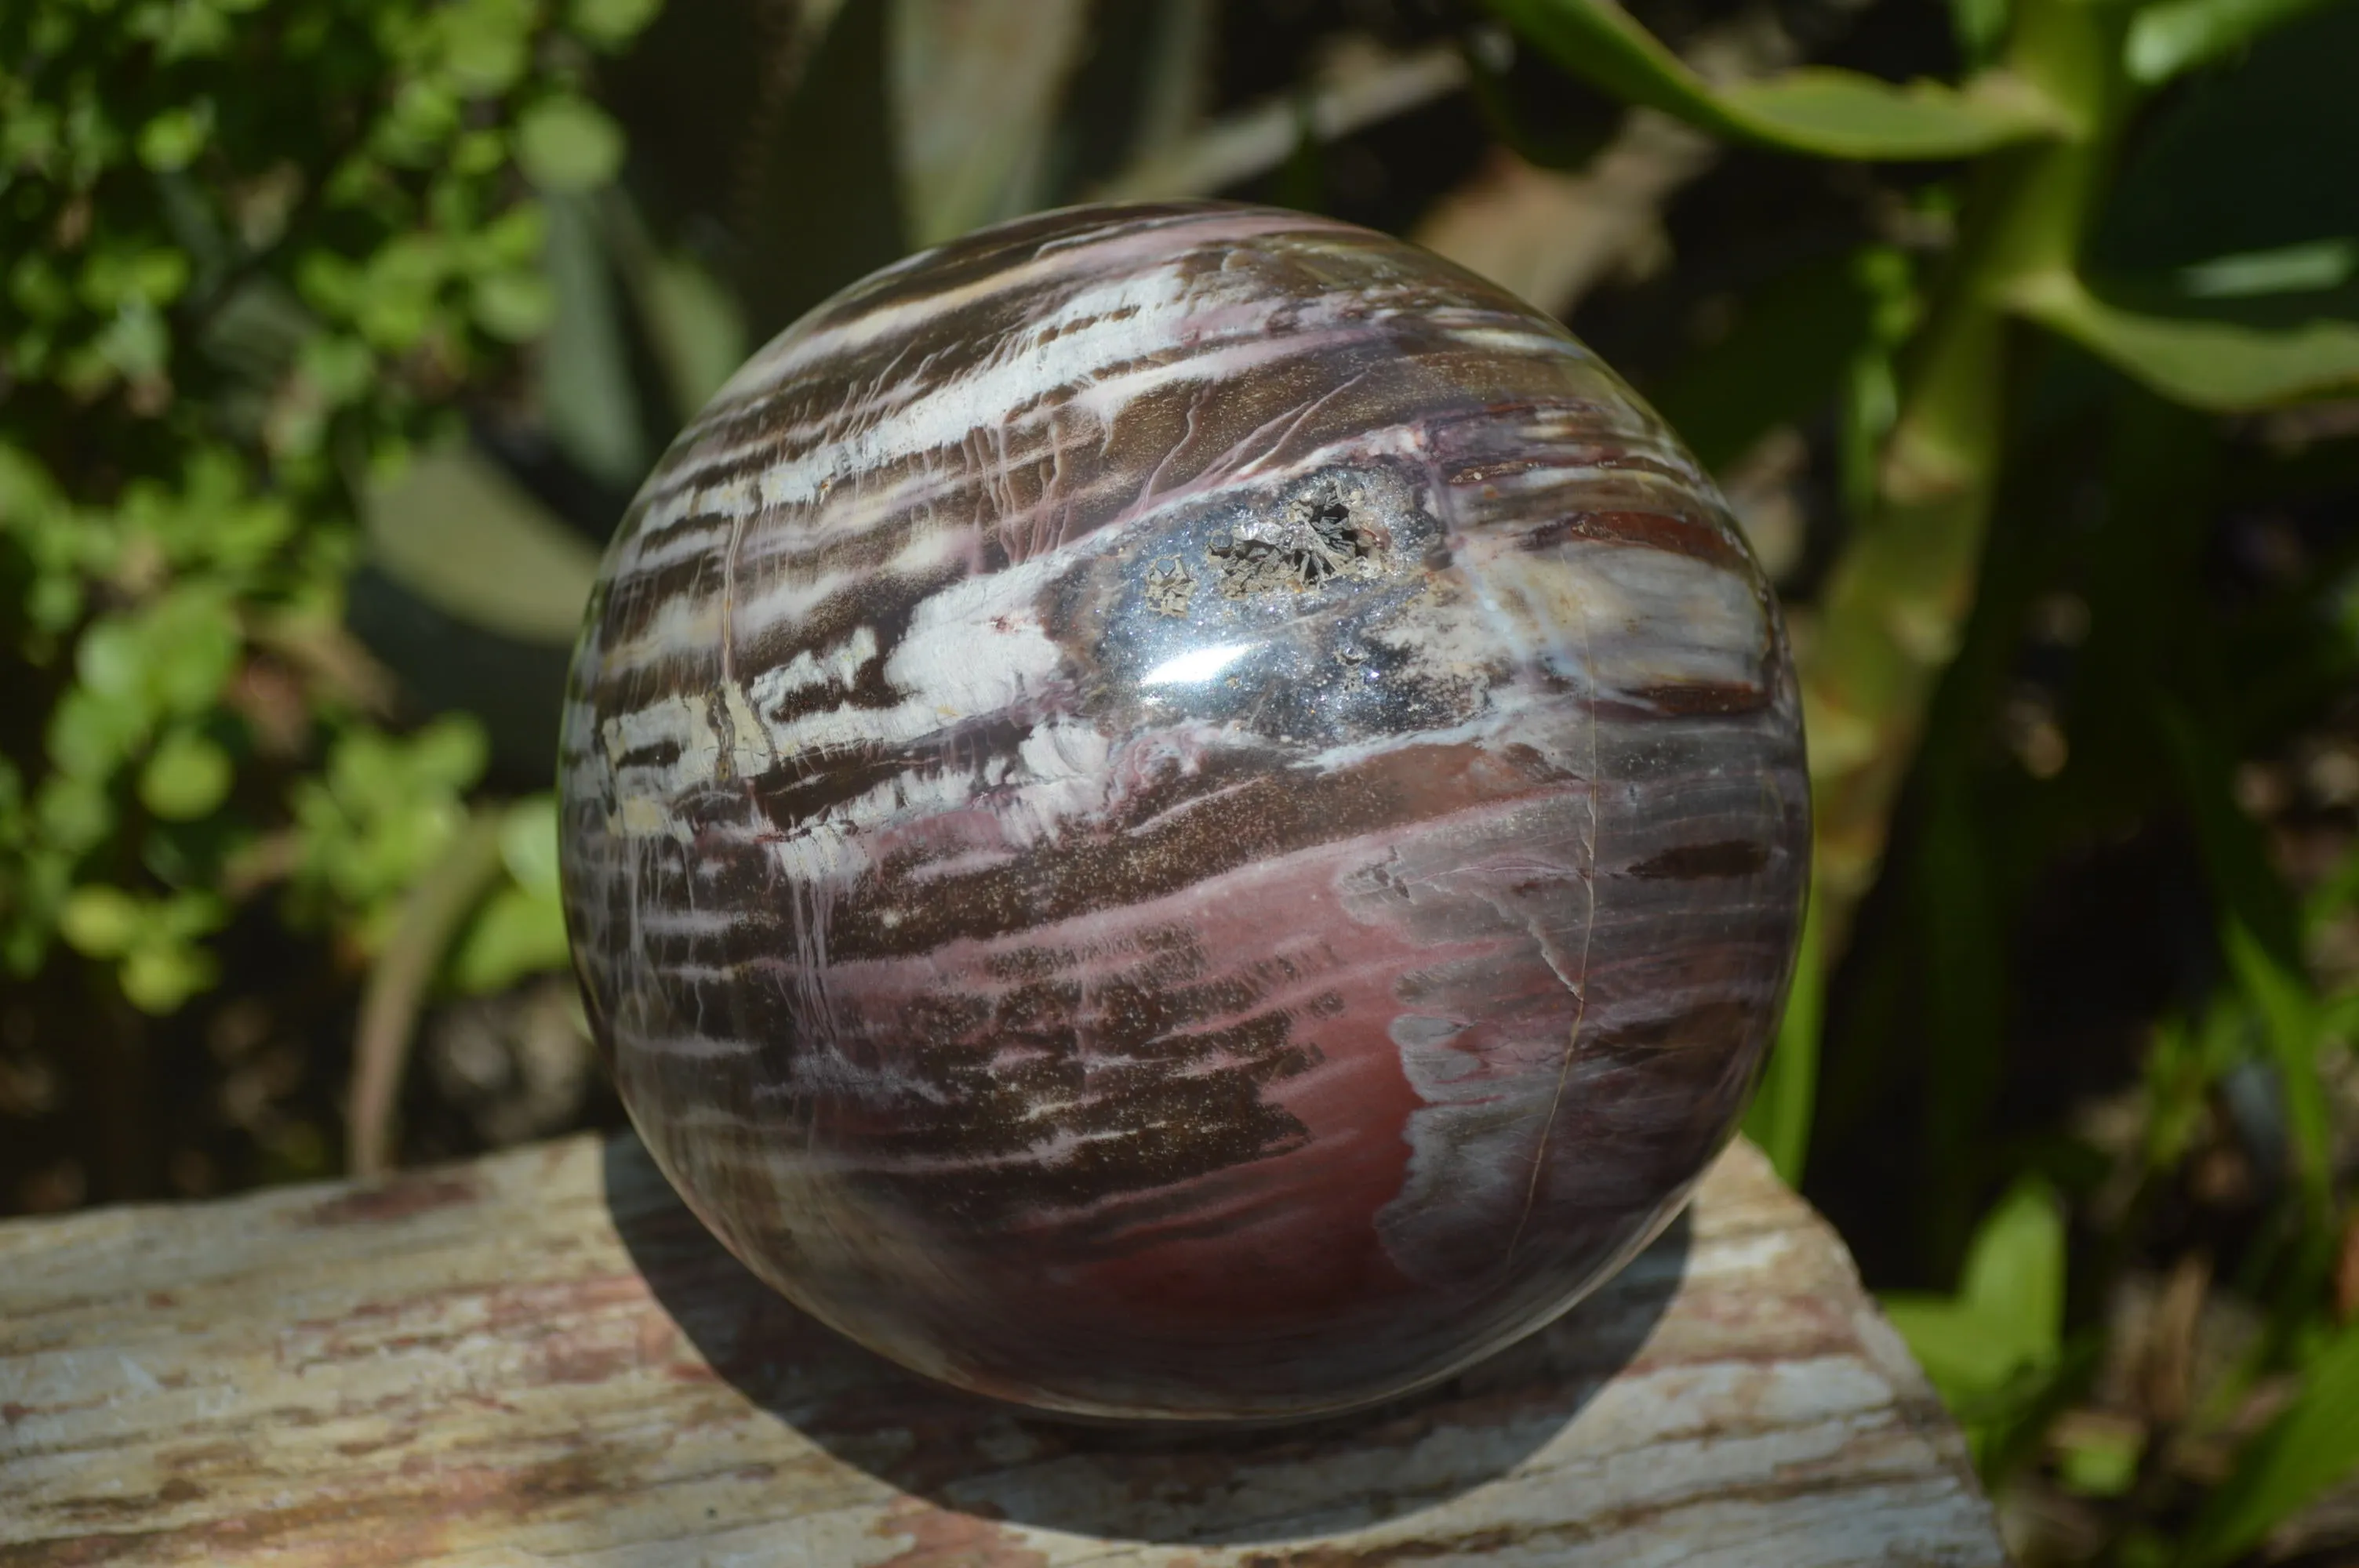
(542, 1358)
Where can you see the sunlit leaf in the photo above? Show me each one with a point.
(186, 777)
(517, 306)
(486, 43)
(528, 844)
(520, 930)
(569, 144)
(2290, 269)
(1841, 113)
(2167, 39)
(696, 329)
(610, 24)
(100, 922)
(2207, 363)
(975, 88)
(2013, 1276)
(1964, 1361)
(2309, 1448)
(2099, 1459)
(1831, 114)
(173, 138)
(1779, 1117)
(517, 933)
(589, 398)
(158, 978)
(92, 730)
(2258, 157)
(250, 265)
(2007, 1318)
(459, 534)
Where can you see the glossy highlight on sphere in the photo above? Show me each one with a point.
(1182, 812)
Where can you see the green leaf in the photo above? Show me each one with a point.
(1967, 1365)
(2100, 1461)
(2014, 1271)
(528, 844)
(569, 144)
(2306, 1449)
(520, 930)
(445, 755)
(173, 138)
(2292, 1027)
(157, 978)
(514, 306)
(2207, 363)
(588, 397)
(514, 239)
(1841, 113)
(402, 283)
(2307, 267)
(696, 330)
(424, 114)
(2168, 39)
(1779, 1117)
(190, 913)
(74, 812)
(515, 934)
(976, 86)
(2260, 935)
(100, 922)
(186, 777)
(91, 731)
(1829, 113)
(108, 658)
(486, 43)
(193, 646)
(457, 533)
(610, 24)
(2007, 1319)
(2262, 157)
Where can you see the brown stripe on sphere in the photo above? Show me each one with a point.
(1182, 812)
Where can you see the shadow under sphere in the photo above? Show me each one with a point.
(1188, 1487)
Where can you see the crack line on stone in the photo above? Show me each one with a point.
(1588, 931)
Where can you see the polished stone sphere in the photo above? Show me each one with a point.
(1182, 812)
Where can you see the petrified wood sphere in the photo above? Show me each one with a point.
(1182, 812)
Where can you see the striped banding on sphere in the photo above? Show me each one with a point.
(1182, 812)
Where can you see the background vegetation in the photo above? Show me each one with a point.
(334, 336)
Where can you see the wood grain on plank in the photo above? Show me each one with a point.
(541, 1357)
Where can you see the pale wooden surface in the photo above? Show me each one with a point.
(540, 1358)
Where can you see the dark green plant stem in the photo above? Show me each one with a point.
(1780, 1115)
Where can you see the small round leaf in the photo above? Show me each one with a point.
(100, 922)
(610, 24)
(171, 139)
(514, 306)
(159, 977)
(186, 777)
(569, 144)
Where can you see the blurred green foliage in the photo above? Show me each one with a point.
(255, 252)
(2024, 334)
